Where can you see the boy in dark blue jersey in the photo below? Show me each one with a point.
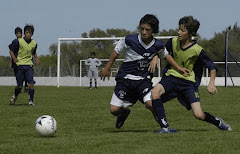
(187, 53)
(26, 48)
(18, 33)
(134, 77)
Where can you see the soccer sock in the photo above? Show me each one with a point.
(95, 82)
(26, 85)
(211, 119)
(17, 91)
(31, 94)
(160, 113)
(90, 82)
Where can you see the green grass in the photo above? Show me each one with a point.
(85, 124)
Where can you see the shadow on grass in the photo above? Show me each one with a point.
(130, 131)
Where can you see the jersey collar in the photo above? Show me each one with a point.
(143, 44)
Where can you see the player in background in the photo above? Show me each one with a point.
(18, 33)
(93, 64)
(187, 53)
(134, 78)
(26, 47)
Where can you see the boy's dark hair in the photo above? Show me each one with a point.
(93, 53)
(152, 21)
(191, 24)
(29, 27)
(18, 29)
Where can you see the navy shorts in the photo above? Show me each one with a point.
(186, 91)
(132, 90)
(24, 72)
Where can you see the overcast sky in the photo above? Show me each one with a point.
(70, 18)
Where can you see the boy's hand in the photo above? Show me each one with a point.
(185, 71)
(212, 88)
(15, 60)
(37, 61)
(105, 73)
(153, 64)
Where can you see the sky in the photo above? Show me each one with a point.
(53, 19)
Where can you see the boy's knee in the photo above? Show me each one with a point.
(200, 116)
(155, 94)
(115, 110)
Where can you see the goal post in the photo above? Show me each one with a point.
(60, 40)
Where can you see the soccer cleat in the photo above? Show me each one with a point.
(166, 130)
(90, 87)
(13, 100)
(223, 125)
(26, 90)
(31, 103)
(121, 119)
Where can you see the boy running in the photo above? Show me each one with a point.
(187, 53)
(26, 48)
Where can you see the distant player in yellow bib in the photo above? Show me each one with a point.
(188, 54)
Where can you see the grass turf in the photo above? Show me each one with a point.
(85, 124)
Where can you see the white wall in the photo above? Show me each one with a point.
(75, 81)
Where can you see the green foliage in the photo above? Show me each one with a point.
(85, 124)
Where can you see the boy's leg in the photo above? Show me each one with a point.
(95, 82)
(29, 77)
(205, 116)
(90, 84)
(26, 87)
(117, 110)
(19, 77)
(158, 107)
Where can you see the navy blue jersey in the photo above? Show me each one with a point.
(137, 56)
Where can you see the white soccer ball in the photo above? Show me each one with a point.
(46, 126)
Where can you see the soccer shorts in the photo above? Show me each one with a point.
(127, 92)
(24, 72)
(93, 73)
(186, 91)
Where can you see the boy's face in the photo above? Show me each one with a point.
(93, 56)
(19, 35)
(146, 32)
(28, 34)
(183, 33)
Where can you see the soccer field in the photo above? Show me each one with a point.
(85, 124)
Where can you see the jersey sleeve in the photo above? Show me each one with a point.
(169, 46)
(120, 46)
(99, 62)
(87, 62)
(14, 46)
(206, 61)
(35, 50)
(163, 53)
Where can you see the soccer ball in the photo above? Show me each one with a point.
(46, 126)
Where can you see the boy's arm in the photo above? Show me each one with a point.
(106, 70)
(15, 60)
(36, 58)
(172, 62)
(211, 86)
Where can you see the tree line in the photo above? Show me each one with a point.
(74, 51)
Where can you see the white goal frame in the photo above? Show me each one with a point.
(86, 39)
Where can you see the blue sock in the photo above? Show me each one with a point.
(160, 113)
(90, 82)
(17, 91)
(31, 94)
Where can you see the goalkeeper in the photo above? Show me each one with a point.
(93, 64)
